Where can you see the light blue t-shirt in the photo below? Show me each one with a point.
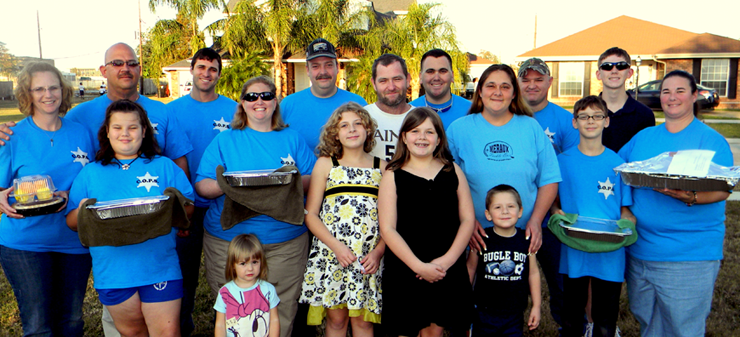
(247, 149)
(201, 122)
(558, 125)
(307, 114)
(517, 154)
(669, 230)
(172, 141)
(591, 188)
(459, 108)
(29, 152)
(247, 310)
(151, 261)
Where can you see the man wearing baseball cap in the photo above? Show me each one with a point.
(307, 111)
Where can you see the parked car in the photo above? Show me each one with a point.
(188, 87)
(649, 94)
(102, 90)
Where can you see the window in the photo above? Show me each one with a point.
(571, 79)
(715, 74)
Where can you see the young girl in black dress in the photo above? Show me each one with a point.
(426, 219)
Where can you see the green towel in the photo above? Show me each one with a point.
(585, 245)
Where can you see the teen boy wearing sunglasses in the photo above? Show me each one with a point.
(627, 116)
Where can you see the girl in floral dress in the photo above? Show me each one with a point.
(343, 273)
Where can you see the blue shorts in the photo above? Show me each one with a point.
(153, 293)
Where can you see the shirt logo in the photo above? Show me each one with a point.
(550, 135)
(606, 188)
(80, 157)
(148, 181)
(154, 126)
(287, 161)
(221, 125)
(498, 151)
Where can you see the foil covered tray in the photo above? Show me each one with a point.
(652, 173)
(128, 207)
(36, 208)
(596, 230)
(259, 177)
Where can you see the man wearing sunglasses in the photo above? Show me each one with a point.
(308, 110)
(627, 116)
(201, 115)
(436, 76)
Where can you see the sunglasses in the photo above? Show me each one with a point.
(120, 63)
(587, 117)
(608, 66)
(253, 96)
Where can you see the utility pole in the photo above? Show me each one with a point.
(535, 32)
(38, 27)
(141, 56)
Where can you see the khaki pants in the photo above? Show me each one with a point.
(286, 263)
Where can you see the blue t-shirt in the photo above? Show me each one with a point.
(201, 121)
(151, 261)
(172, 141)
(307, 114)
(669, 230)
(247, 149)
(591, 188)
(558, 125)
(517, 154)
(30, 152)
(460, 107)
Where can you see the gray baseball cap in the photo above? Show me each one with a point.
(535, 64)
(320, 47)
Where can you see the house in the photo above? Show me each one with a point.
(655, 50)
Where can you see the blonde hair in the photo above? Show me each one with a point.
(23, 90)
(330, 146)
(245, 247)
(240, 120)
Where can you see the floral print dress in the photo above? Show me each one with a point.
(350, 213)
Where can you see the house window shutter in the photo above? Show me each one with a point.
(555, 90)
(732, 86)
(696, 71)
(586, 79)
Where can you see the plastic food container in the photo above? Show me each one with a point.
(259, 177)
(128, 207)
(596, 230)
(30, 188)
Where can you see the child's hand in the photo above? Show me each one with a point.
(534, 318)
(430, 272)
(345, 256)
(371, 262)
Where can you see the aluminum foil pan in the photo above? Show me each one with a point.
(37, 208)
(128, 207)
(596, 230)
(259, 177)
(652, 173)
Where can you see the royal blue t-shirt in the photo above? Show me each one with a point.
(201, 122)
(247, 149)
(151, 261)
(669, 230)
(459, 107)
(30, 152)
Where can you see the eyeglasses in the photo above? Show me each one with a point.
(253, 96)
(595, 117)
(42, 90)
(608, 66)
(120, 63)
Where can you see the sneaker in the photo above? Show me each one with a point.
(589, 330)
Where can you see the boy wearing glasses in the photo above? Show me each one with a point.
(627, 115)
(595, 192)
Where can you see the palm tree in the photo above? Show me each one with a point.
(192, 10)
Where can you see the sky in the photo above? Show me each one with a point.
(76, 33)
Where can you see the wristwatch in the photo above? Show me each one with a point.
(693, 201)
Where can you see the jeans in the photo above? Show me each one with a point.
(549, 259)
(50, 288)
(671, 298)
(604, 309)
(189, 250)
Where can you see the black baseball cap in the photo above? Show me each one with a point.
(320, 47)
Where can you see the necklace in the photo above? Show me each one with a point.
(439, 110)
(123, 166)
(51, 138)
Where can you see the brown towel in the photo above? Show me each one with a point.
(134, 229)
(281, 202)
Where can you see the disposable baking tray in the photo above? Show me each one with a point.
(259, 177)
(128, 207)
(652, 173)
(596, 230)
(36, 208)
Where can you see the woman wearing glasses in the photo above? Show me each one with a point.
(672, 267)
(42, 258)
(258, 139)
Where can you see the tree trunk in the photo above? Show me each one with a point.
(278, 68)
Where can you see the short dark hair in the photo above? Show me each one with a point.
(614, 51)
(503, 188)
(386, 60)
(207, 54)
(593, 102)
(435, 53)
(688, 77)
(149, 146)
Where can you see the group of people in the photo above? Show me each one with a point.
(419, 216)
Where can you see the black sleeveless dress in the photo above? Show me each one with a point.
(428, 220)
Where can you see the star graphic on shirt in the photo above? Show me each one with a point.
(220, 125)
(287, 161)
(606, 188)
(154, 126)
(147, 181)
(80, 157)
(550, 135)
